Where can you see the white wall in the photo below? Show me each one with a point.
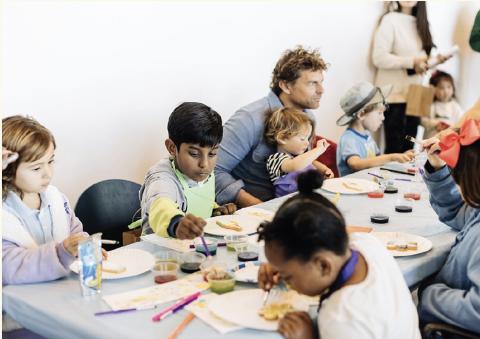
(104, 75)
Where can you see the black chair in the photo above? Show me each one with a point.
(445, 331)
(109, 206)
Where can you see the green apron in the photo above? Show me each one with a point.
(200, 199)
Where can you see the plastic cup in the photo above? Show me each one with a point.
(233, 240)
(90, 264)
(221, 282)
(212, 244)
(164, 272)
(209, 266)
(191, 262)
(247, 253)
(168, 256)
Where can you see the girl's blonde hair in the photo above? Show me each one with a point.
(285, 123)
(28, 138)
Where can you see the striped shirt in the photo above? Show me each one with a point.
(274, 165)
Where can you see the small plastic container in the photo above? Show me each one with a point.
(234, 241)
(403, 206)
(379, 218)
(168, 256)
(221, 282)
(390, 189)
(375, 195)
(164, 272)
(379, 215)
(412, 196)
(212, 244)
(209, 266)
(247, 253)
(191, 262)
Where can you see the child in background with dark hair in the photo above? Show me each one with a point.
(446, 111)
(363, 291)
(290, 130)
(452, 177)
(179, 191)
(40, 232)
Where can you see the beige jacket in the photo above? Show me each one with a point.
(396, 44)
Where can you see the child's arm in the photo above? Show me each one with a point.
(441, 303)
(322, 168)
(303, 160)
(356, 163)
(445, 197)
(22, 265)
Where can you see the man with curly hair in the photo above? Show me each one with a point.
(241, 175)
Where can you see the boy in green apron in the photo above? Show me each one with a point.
(179, 191)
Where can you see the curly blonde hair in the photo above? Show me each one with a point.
(292, 62)
(285, 123)
(28, 138)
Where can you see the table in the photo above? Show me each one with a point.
(57, 310)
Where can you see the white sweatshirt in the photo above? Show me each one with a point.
(447, 112)
(379, 307)
(396, 44)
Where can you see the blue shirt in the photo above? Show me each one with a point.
(243, 152)
(454, 294)
(354, 143)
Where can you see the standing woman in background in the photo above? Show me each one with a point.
(401, 48)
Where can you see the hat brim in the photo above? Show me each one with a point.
(345, 119)
(380, 96)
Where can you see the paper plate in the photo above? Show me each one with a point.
(241, 307)
(256, 212)
(249, 225)
(135, 262)
(349, 186)
(423, 244)
(247, 272)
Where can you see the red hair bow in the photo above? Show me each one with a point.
(451, 143)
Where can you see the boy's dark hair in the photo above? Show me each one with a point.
(439, 76)
(307, 222)
(466, 173)
(195, 123)
(292, 62)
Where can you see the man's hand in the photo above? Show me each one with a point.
(229, 208)
(190, 227)
(296, 325)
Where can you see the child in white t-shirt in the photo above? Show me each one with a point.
(364, 294)
(446, 111)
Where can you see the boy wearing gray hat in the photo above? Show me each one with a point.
(363, 106)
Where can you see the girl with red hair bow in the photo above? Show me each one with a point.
(453, 179)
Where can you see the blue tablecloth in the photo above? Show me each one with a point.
(57, 310)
